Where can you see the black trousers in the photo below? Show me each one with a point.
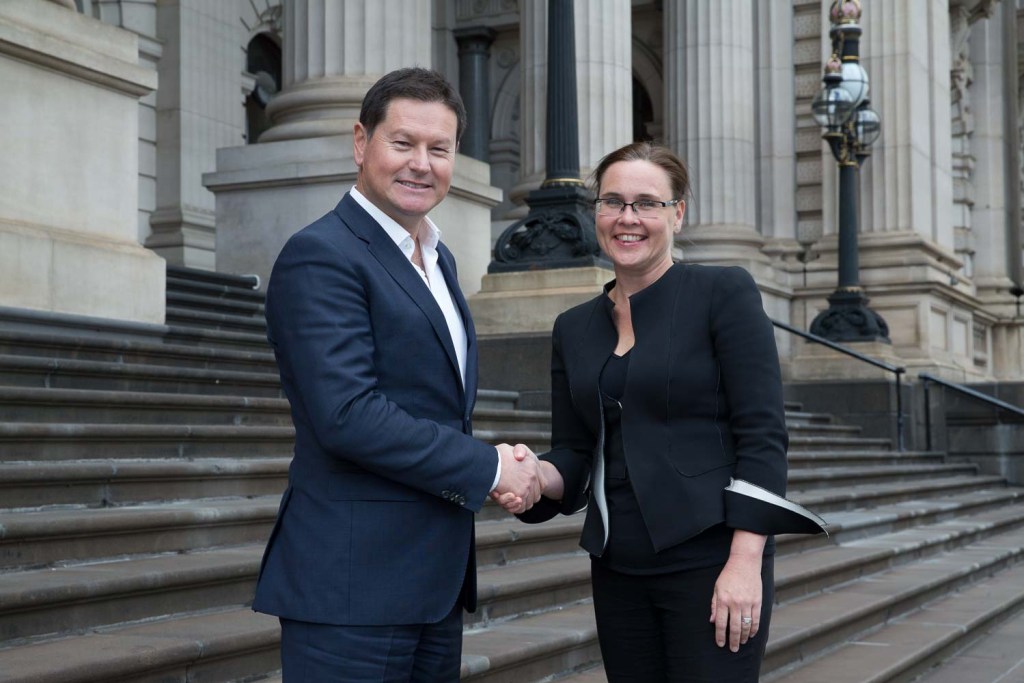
(655, 628)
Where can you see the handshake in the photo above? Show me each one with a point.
(523, 479)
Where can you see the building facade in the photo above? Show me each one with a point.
(240, 115)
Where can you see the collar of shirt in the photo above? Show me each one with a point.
(401, 236)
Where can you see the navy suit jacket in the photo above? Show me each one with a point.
(376, 525)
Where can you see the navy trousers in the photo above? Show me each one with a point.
(417, 653)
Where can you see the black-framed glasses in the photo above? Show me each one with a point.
(644, 208)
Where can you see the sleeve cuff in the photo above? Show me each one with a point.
(752, 508)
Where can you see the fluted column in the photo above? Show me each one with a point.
(710, 122)
(907, 185)
(604, 84)
(334, 50)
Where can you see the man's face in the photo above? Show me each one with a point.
(405, 168)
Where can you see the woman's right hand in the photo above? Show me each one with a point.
(552, 484)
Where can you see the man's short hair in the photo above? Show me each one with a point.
(415, 83)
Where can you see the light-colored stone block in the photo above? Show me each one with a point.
(69, 168)
(530, 300)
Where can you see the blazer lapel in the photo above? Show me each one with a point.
(397, 265)
(447, 265)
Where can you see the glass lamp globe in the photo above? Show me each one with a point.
(855, 81)
(868, 126)
(832, 107)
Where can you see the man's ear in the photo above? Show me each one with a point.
(359, 139)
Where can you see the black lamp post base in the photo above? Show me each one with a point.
(557, 233)
(848, 319)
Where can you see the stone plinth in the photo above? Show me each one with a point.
(817, 362)
(268, 191)
(529, 301)
(69, 168)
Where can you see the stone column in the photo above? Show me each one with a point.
(69, 167)
(710, 112)
(991, 275)
(604, 85)
(474, 86)
(197, 111)
(334, 50)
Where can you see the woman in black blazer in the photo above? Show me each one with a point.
(666, 392)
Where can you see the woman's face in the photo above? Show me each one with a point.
(638, 244)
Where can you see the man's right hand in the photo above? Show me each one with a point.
(521, 482)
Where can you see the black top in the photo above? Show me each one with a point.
(630, 549)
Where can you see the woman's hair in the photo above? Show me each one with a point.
(660, 156)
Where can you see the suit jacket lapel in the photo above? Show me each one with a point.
(448, 269)
(397, 265)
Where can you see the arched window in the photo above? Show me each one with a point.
(263, 61)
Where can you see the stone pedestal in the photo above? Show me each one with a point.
(529, 301)
(69, 167)
(268, 191)
(197, 111)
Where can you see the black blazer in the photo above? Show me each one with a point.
(703, 405)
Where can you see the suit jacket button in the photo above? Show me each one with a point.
(446, 494)
(462, 500)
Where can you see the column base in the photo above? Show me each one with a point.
(529, 301)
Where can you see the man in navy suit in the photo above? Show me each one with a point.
(371, 560)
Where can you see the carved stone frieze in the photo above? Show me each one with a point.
(475, 10)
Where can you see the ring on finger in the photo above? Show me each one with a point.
(746, 621)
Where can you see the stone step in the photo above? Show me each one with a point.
(815, 459)
(814, 571)
(909, 647)
(47, 602)
(228, 281)
(531, 648)
(205, 296)
(493, 399)
(860, 496)
(226, 645)
(836, 477)
(157, 350)
(796, 415)
(110, 483)
(525, 421)
(799, 429)
(803, 629)
(589, 674)
(43, 537)
(197, 299)
(63, 373)
(82, 597)
(992, 638)
(831, 443)
(29, 404)
(239, 644)
(51, 536)
(43, 441)
(212, 320)
(863, 522)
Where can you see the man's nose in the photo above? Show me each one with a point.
(419, 159)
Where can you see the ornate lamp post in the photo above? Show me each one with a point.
(842, 108)
(559, 230)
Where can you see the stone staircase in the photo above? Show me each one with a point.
(141, 467)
